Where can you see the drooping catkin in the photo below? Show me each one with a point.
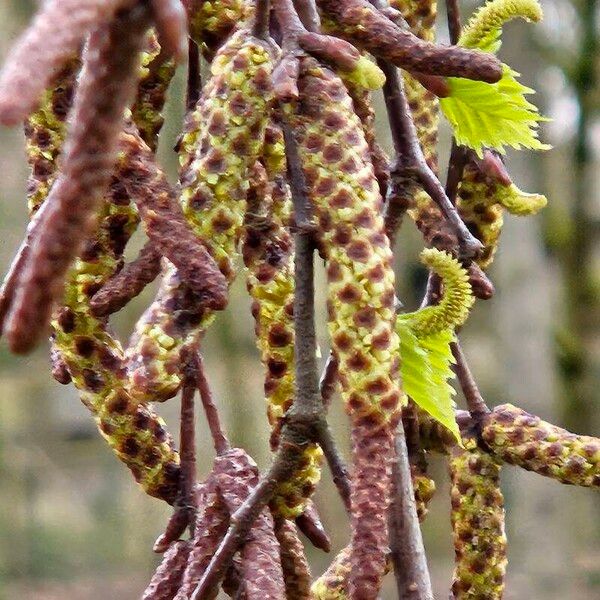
(212, 521)
(81, 345)
(167, 578)
(106, 86)
(361, 300)
(477, 523)
(236, 475)
(95, 362)
(223, 139)
(296, 571)
(524, 440)
(268, 255)
(53, 37)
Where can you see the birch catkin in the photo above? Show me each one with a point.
(361, 301)
(224, 138)
(477, 524)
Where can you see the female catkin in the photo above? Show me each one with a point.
(224, 138)
(361, 300)
(477, 523)
(269, 260)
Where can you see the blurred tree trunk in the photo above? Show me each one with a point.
(578, 336)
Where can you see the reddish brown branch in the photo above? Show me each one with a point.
(220, 441)
(363, 25)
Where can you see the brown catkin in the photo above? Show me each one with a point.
(165, 223)
(128, 283)
(167, 578)
(524, 440)
(362, 24)
(106, 86)
(212, 522)
(296, 571)
(477, 524)
(54, 36)
(236, 476)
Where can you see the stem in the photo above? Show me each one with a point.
(410, 161)
(408, 553)
(308, 13)
(220, 442)
(260, 28)
(475, 402)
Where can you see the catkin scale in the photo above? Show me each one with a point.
(524, 440)
(223, 140)
(361, 300)
(268, 255)
(477, 523)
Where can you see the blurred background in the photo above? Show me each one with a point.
(74, 525)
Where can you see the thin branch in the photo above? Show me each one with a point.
(185, 505)
(475, 402)
(262, 13)
(408, 553)
(410, 160)
(220, 441)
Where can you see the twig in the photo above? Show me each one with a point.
(475, 402)
(308, 13)
(262, 13)
(187, 442)
(408, 553)
(185, 505)
(220, 441)
(410, 161)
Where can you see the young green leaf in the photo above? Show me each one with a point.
(426, 368)
(493, 115)
(425, 337)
